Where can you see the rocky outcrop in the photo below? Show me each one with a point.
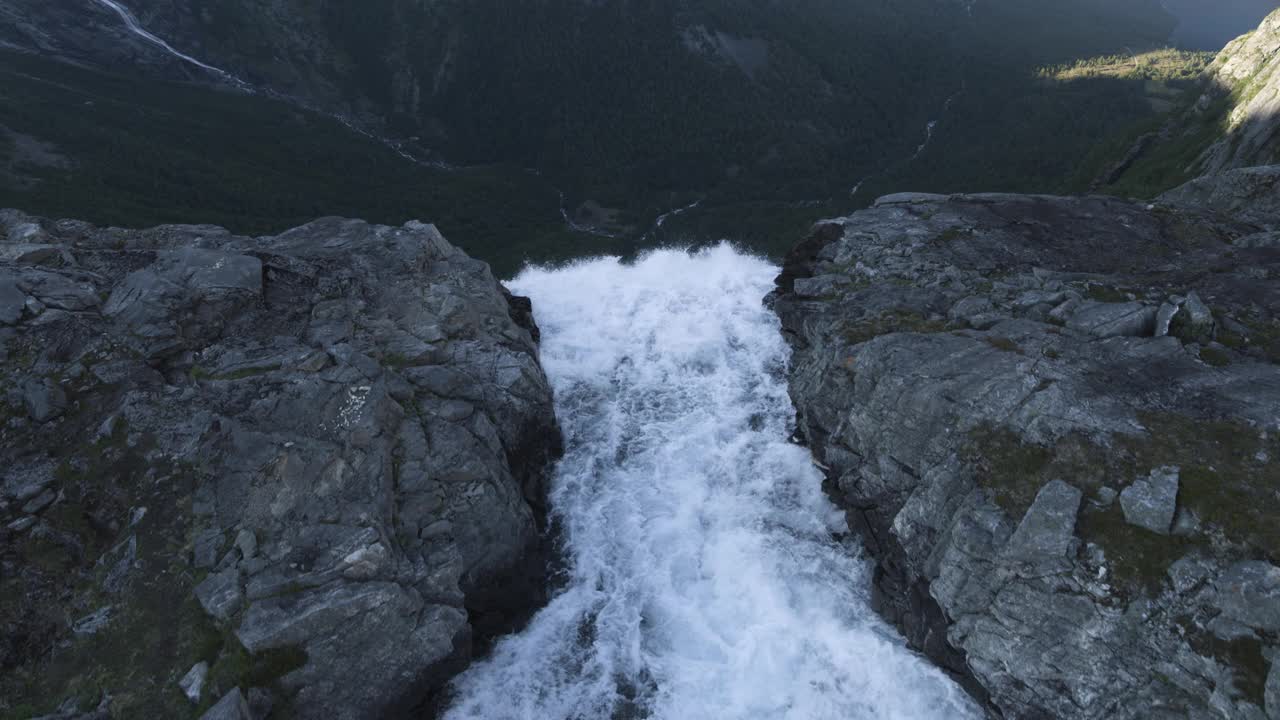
(1055, 423)
(1248, 69)
(302, 472)
(1250, 194)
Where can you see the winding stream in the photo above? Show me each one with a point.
(707, 574)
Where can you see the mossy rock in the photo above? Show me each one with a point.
(903, 321)
(1229, 477)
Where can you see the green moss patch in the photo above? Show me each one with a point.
(1262, 334)
(1230, 478)
(235, 667)
(903, 321)
(1215, 357)
(156, 630)
(1105, 293)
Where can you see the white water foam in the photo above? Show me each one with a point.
(705, 577)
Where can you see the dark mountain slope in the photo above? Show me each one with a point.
(767, 112)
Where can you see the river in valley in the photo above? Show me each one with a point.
(707, 574)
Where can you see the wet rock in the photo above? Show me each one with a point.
(1151, 502)
(232, 706)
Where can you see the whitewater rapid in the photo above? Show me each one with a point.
(705, 574)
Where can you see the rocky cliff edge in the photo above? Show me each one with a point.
(1055, 422)
(292, 476)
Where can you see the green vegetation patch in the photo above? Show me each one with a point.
(901, 321)
(1229, 478)
(1215, 356)
(158, 152)
(156, 630)
(1264, 335)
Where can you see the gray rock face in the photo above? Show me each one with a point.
(1114, 319)
(1048, 528)
(1250, 593)
(1151, 502)
(979, 388)
(327, 449)
(1250, 67)
(1251, 194)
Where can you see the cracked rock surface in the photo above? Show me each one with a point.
(315, 462)
(1055, 423)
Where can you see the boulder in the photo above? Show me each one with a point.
(192, 684)
(1193, 322)
(60, 290)
(220, 594)
(1048, 527)
(1151, 502)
